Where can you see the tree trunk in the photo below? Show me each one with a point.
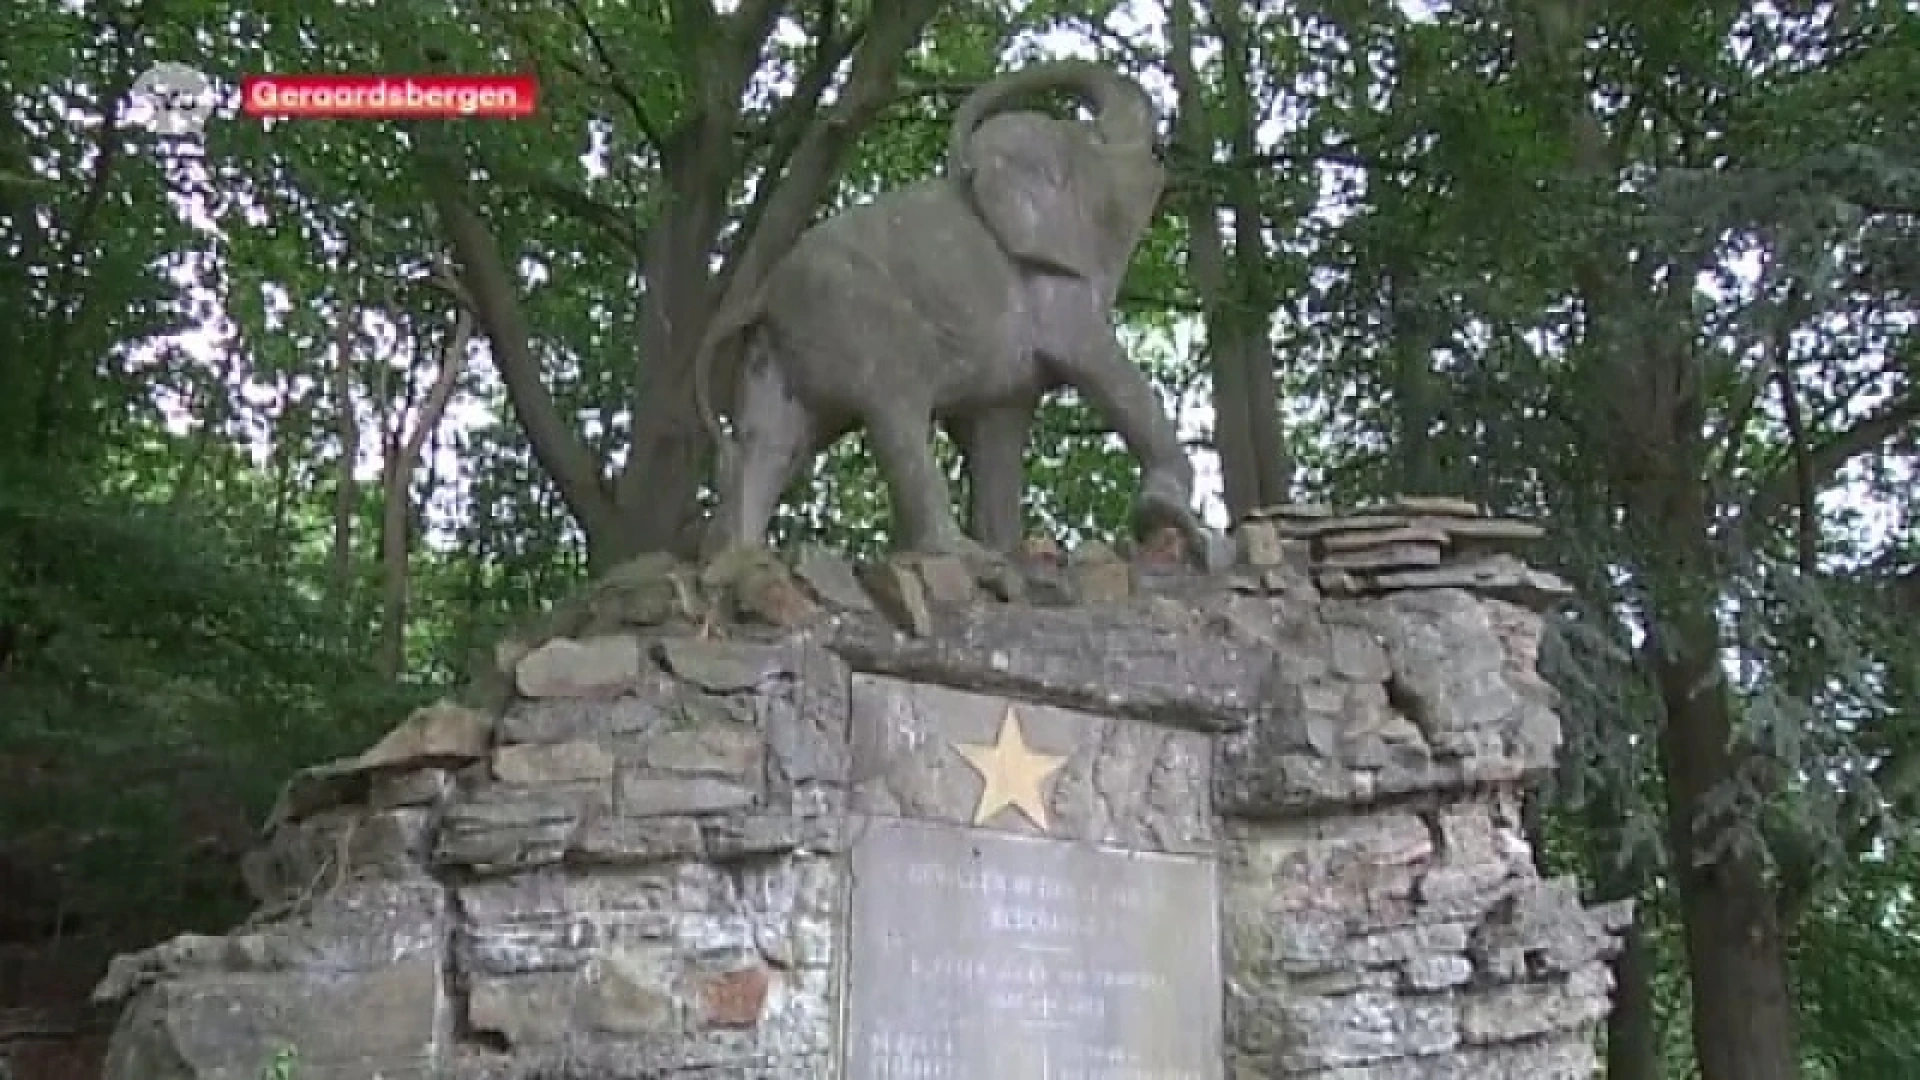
(1743, 1016)
(1419, 470)
(346, 494)
(1633, 1042)
(485, 277)
(1252, 286)
(1633, 1038)
(1253, 464)
(395, 514)
(655, 500)
(212, 412)
(404, 447)
(660, 484)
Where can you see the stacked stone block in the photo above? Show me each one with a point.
(626, 854)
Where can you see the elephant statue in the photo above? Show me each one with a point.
(958, 301)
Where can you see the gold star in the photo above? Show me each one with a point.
(1012, 774)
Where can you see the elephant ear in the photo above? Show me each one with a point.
(1042, 194)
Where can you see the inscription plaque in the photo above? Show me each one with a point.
(981, 955)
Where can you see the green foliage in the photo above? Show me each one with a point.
(175, 683)
(1475, 295)
(284, 1066)
(1857, 961)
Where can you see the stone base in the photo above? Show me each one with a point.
(1152, 822)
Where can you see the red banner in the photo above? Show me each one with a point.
(388, 97)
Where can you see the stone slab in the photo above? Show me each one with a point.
(977, 953)
(1122, 783)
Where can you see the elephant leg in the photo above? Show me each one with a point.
(775, 432)
(994, 442)
(902, 441)
(1099, 368)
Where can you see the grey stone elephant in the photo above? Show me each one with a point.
(957, 301)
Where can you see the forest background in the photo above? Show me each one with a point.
(296, 417)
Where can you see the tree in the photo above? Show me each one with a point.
(793, 150)
(1236, 289)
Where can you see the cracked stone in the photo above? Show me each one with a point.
(594, 667)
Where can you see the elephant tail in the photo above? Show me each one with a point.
(726, 323)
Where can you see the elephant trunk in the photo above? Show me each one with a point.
(1123, 113)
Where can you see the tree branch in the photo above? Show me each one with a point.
(487, 282)
(441, 394)
(1792, 309)
(793, 195)
(1823, 461)
(613, 82)
(823, 143)
(789, 125)
(1807, 521)
(1896, 780)
(575, 203)
(787, 121)
(731, 49)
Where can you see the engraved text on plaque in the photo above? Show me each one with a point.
(980, 955)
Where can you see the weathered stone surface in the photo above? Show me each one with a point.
(664, 952)
(1489, 577)
(354, 926)
(1561, 1060)
(1438, 504)
(505, 831)
(619, 840)
(630, 992)
(1121, 783)
(1359, 654)
(948, 580)
(718, 749)
(420, 787)
(640, 863)
(1517, 1013)
(724, 667)
(643, 793)
(1367, 1025)
(334, 846)
(805, 722)
(353, 988)
(599, 666)
(1260, 543)
(1493, 530)
(750, 835)
(1367, 521)
(1171, 667)
(439, 734)
(647, 590)
(1412, 534)
(1385, 556)
(734, 999)
(901, 595)
(1102, 582)
(832, 579)
(443, 734)
(1450, 677)
(388, 1023)
(607, 721)
(552, 764)
(763, 590)
(1292, 512)
(983, 954)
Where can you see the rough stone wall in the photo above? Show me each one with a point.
(626, 857)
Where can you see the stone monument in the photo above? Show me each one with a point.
(1097, 820)
(957, 302)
